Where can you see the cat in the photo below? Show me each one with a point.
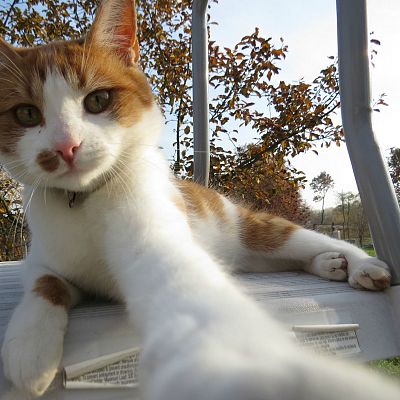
(79, 127)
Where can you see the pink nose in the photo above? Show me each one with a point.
(67, 150)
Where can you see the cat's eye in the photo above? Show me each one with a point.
(97, 101)
(28, 115)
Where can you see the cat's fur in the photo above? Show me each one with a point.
(137, 235)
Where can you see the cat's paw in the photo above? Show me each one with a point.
(29, 364)
(370, 273)
(32, 347)
(220, 373)
(331, 265)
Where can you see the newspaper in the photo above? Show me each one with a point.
(333, 339)
(116, 370)
(120, 369)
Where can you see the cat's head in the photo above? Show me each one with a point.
(70, 111)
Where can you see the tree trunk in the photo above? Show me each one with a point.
(322, 211)
(344, 218)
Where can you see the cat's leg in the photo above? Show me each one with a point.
(205, 340)
(334, 256)
(275, 238)
(33, 343)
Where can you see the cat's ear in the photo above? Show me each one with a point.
(115, 27)
(7, 52)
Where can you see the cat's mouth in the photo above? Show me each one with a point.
(72, 170)
(82, 175)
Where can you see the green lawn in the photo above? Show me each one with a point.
(370, 252)
(389, 367)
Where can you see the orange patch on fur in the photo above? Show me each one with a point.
(263, 231)
(54, 290)
(48, 160)
(201, 201)
(180, 202)
(10, 133)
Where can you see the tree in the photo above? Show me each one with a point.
(350, 213)
(359, 220)
(346, 200)
(13, 230)
(320, 186)
(279, 196)
(394, 169)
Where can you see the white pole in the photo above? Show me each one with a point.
(374, 185)
(200, 92)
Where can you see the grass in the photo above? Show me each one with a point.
(389, 367)
(370, 252)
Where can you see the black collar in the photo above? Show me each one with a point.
(77, 198)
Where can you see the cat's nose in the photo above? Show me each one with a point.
(67, 150)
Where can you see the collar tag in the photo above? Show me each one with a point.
(71, 199)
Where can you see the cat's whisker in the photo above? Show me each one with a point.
(13, 68)
(27, 207)
(7, 80)
(17, 177)
(15, 228)
(28, 204)
(87, 56)
(21, 216)
(4, 54)
(18, 77)
(13, 162)
(14, 167)
(83, 53)
(127, 190)
(105, 179)
(45, 191)
(114, 175)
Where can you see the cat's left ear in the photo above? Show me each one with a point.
(115, 27)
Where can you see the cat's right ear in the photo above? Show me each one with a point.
(6, 48)
(7, 52)
(115, 27)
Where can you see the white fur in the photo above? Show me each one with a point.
(202, 338)
(33, 344)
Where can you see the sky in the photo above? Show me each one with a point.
(309, 29)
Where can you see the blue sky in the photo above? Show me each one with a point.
(309, 29)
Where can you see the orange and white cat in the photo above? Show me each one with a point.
(79, 128)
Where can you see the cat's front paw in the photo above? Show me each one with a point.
(32, 347)
(29, 364)
(370, 273)
(220, 373)
(331, 265)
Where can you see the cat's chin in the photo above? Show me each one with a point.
(75, 181)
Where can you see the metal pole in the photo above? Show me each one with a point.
(200, 92)
(374, 184)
